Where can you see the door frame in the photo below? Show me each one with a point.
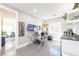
(16, 12)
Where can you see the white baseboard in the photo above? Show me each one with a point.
(64, 54)
(23, 45)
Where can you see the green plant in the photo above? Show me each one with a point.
(76, 5)
(65, 16)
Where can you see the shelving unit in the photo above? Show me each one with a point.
(73, 20)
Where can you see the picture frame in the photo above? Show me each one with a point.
(21, 29)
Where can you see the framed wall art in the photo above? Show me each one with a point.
(21, 29)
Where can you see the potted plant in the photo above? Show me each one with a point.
(76, 5)
(65, 16)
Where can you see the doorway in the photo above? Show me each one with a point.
(8, 29)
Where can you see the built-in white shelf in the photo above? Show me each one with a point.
(72, 21)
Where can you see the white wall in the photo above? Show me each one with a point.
(56, 28)
(27, 19)
(21, 16)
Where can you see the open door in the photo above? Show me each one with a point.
(0, 32)
(8, 32)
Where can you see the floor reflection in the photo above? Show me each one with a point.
(50, 49)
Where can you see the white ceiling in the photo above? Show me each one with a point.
(44, 10)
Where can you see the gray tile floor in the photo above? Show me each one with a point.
(2, 52)
(37, 50)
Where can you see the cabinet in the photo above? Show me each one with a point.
(70, 43)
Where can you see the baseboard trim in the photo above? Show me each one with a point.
(23, 45)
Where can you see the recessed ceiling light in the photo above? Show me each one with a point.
(34, 10)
